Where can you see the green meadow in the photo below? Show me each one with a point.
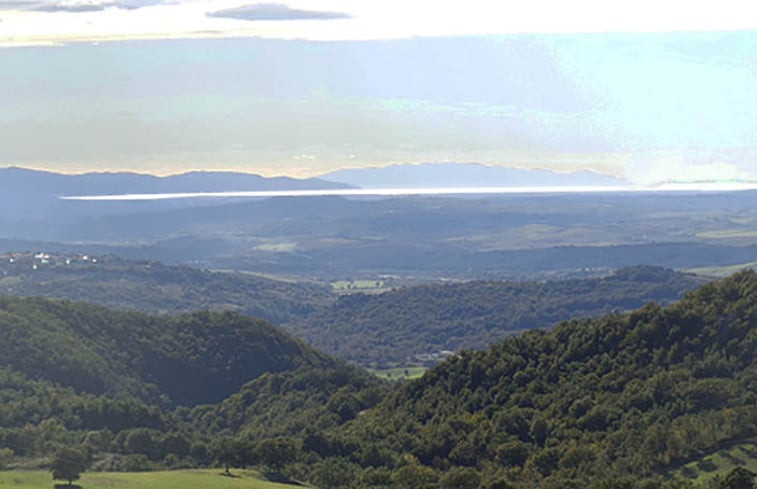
(719, 463)
(400, 373)
(173, 479)
(277, 247)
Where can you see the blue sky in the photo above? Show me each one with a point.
(649, 106)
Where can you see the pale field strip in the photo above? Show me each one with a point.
(397, 192)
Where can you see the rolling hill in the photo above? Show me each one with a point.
(607, 402)
(187, 359)
(616, 401)
(155, 288)
(416, 325)
(141, 392)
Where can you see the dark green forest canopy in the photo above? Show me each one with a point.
(626, 395)
(400, 326)
(187, 359)
(155, 288)
(76, 374)
(406, 326)
(599, 403)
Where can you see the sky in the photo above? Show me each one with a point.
(648, 91)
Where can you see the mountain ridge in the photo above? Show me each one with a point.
(34, 195)
(95, 183)
(465, 175)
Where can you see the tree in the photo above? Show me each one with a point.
(68, 464)
(276, 453)
(142, 440)
(738, 478)
(229, 452)
(461, 478)
(413, 475)
(6, 455)
(333, 473)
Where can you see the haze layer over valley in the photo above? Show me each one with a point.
(389, 239)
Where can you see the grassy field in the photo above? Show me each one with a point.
(728, 234)
(723, 271)
(719, 463)
(400, 373)
(175, 479)
(279, 247)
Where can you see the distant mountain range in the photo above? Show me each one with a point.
(464, 175)
(27, 194)
(16, 179)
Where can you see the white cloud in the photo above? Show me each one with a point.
(274, 12)
(368, 19)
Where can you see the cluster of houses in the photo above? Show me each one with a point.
(430, 359)
(35, 260)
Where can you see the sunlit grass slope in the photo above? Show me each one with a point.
(720, 462)
(400, 373)
(175, 479)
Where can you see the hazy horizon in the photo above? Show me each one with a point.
(410, 191)
(706, 184)
(304, 88)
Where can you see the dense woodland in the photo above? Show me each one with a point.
(155, 288)
(123, 384)
(411, 324)
(608, 402)
(623, 396)
(405, 326)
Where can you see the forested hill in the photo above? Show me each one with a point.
(137, 392)
(155, 288)
(412, 325)
(187, 359)
(594, 403)
(623, 396)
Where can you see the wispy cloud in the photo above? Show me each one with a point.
(275, 11)
(75, 6)
(17, 4)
